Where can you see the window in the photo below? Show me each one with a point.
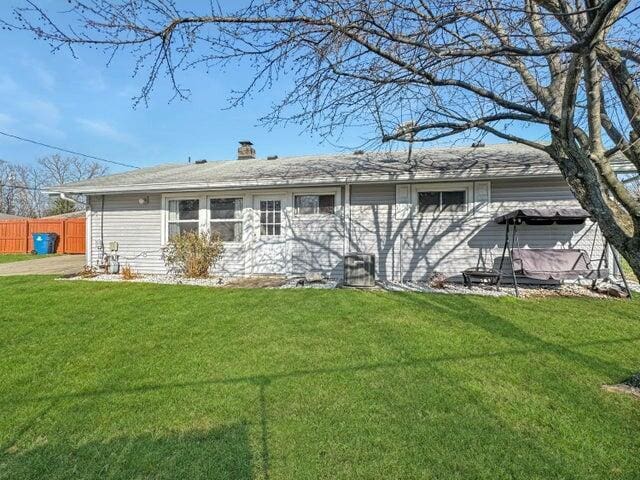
(226, 218)
(270, 218)
(453, 201)
(183, 216)
(314, 204)
(445, 201)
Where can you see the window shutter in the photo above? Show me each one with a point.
(403, 202)
(482, 196)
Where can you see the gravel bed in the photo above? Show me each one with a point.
(453, 288)
(526, 291)
(159, 279)
(296, 283)
(567, 290)
(240, 282)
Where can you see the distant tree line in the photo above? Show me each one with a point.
(22, 186)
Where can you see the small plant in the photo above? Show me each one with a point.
(87, 272)
(437, 280)
(193, 254)
(128, 273)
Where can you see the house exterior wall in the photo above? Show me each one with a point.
(378, 218)
(410, 247)
(137, 229)
(310, 243)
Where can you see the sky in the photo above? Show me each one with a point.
(84, 105)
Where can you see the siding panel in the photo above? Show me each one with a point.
(413, 248)
(136, 228)
(408, 248)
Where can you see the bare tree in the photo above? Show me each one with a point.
(453, 68)
(7, 192)
(22, 186)
(19, 190)
(57, 170)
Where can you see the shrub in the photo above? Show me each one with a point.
(193, 254)
(88, 272)
(128, 273)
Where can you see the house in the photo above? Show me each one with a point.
(431, 211)
(65, 216)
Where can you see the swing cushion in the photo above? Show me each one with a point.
(553, 264)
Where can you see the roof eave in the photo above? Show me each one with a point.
(302, 182)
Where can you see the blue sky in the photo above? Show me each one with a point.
(83, 105)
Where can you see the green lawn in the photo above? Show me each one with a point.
(140, 381)
(627, 270)
(18, 257)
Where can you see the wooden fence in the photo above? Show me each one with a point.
(16, 236)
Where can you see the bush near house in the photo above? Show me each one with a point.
(132, 380)
(193, 254)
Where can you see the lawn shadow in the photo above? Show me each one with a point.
(471, 312)
(479, 421)
(222, 453)
(225, 453)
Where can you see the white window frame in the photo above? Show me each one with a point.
(467, 187)
(315, 216)
(164, 213)
(240, 220)
(258, 212)
(166, 221)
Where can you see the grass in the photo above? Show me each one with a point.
(18, 257)
(629, 273)
(142, 381)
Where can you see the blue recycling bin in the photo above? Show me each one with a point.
(44, 243)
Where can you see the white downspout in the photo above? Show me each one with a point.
(346, 246)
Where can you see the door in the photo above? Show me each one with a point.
(269, 253)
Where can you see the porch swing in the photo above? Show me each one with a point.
(556, 264)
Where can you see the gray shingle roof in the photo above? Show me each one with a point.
(502, 160)
(6, 216)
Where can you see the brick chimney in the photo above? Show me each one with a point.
(246, 150)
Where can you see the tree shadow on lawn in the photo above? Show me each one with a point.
(222, 453)
(471, 312)
(225, 453)
(488, 445)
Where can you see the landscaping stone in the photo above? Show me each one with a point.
(158, 279)
(298, 282)
(631, 386)
(622, 388)
(313, 277)
(319, 282)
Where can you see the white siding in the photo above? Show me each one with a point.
(136, 228)
(407, 246)
(316, 246)
(412, 247)
(374, 228)
(138, 231)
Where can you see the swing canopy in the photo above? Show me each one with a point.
(544, 216)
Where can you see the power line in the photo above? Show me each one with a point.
(35, 142)
(23, 187)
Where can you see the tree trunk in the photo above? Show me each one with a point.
(618, 227)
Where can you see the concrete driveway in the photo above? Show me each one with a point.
(54, 265)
